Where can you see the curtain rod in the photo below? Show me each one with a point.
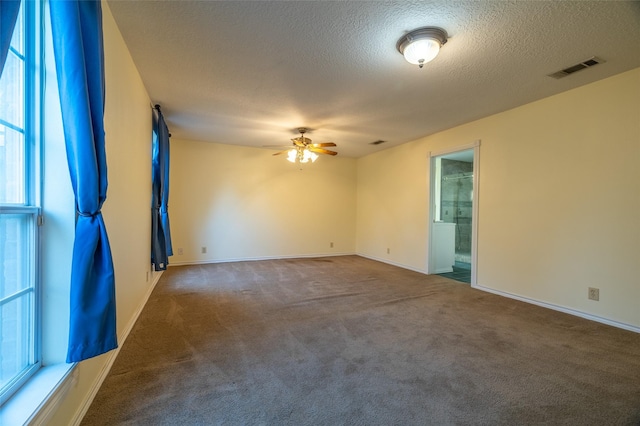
(156, 107)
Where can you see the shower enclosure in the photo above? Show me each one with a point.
(456, 206)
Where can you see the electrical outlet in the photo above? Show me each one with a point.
(331, 244)
(594, 293)
(388, 250)
(204, 250)
(147, 276)
(180, 252)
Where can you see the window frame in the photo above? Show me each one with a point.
(32, 17)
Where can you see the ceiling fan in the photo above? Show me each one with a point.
(304, 150)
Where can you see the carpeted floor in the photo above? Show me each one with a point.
(350, 341)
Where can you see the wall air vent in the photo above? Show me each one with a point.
(577, 67)
(378, 142)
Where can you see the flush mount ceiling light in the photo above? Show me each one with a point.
(421, 45)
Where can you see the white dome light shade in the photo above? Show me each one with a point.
(421, 51)
(422, 45)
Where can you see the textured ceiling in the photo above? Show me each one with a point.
(249, 73)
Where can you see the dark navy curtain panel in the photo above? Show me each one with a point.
(161, 247)
(9, 10)
(79, 57)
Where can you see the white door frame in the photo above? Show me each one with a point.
(475, 146)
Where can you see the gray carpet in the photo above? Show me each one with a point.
(350, 341)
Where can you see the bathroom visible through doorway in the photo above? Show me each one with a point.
(453, 193)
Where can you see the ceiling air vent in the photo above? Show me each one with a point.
(378, 142)
(577, 67)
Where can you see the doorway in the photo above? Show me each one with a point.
(453, 213)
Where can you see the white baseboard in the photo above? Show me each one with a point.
(559, 308)
(391, 262)
(82, 410)
(252, 259)
(547, 305)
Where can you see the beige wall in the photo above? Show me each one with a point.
(127, 209)
(243, 203)
(558, 199)
(392, 206)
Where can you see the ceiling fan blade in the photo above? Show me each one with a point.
(276, 146)
(321, 145)
(281, 152)
(322, 151)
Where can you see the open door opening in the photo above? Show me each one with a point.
(453, 214)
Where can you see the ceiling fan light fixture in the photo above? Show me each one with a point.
(422, 45)
(302, 155)
(304, 150)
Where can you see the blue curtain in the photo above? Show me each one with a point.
(161, 247)
(79, 57)
(9, 10)
(163, 139)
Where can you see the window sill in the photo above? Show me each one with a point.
(37, 399)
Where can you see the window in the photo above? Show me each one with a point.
(20, 204)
